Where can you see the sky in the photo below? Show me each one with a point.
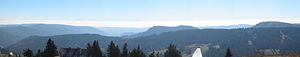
(147, 13)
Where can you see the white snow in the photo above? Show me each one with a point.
(197, 53)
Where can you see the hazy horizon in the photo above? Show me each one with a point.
(158, 28)
(146, 13)
(131, 24)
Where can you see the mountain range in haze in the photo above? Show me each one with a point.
(12, 33)
(213, 42)
(227, 27)
(129, 32)
(274, 24)
(156, 30)
(121, 31)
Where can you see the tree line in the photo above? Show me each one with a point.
(49, 51)
(94, 50)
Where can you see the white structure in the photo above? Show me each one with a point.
(197, 53)
(10, 53)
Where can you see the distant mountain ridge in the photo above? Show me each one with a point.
(12, 33)
(121, 31)
(274, 24)
(125, 31)
(213, 42)
(156, 30)
(66, 40)
(227, 26)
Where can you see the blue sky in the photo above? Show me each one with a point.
(145, 13)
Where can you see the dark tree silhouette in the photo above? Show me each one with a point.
(137, 52)
(157, 54)
(89, 50)
(28, 53)
(50, 50)
(125, 51)
(38, 54)
(152, 54)
(95, 50)
(113, 50)
(172, 52)
(228, 53)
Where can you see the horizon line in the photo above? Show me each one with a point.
(143, 24)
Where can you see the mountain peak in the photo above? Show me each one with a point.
(184, 26)
(180, 26)
(166, 28)
(155, 30)
(274, 24)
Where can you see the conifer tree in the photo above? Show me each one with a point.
(157, 54)
(97, 50)
(94, 51)
(152, 54)
(89, 50)
(133, 53)
(113, 50)
(125, 51)
(28, 53)
(50, 50)
(228, 53)
(137, 52)
(38, 54)
(172, 52)
(140, 52)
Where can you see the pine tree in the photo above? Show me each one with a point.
(228, 53)
(172, 52)
(140, 52)
(152, 54)
(137, 52)
(113, 50)
(157, 54)
(28, 53)
(125, 51)
(97, 50)
(89, 50)
(50, 50)
(38, 54)
(94, 51)
(133, 53)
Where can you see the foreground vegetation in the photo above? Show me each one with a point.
(93, 50)
(244, 42)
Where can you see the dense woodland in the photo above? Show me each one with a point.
(95, 51)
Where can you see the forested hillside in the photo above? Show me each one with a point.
(243, 42)
(10, 34)
(156, 30)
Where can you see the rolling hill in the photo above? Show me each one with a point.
(274, 24)
(227, 27)
(121, 31)
(10, 34)
(213, 42)
(156, 30)
(243, 42)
